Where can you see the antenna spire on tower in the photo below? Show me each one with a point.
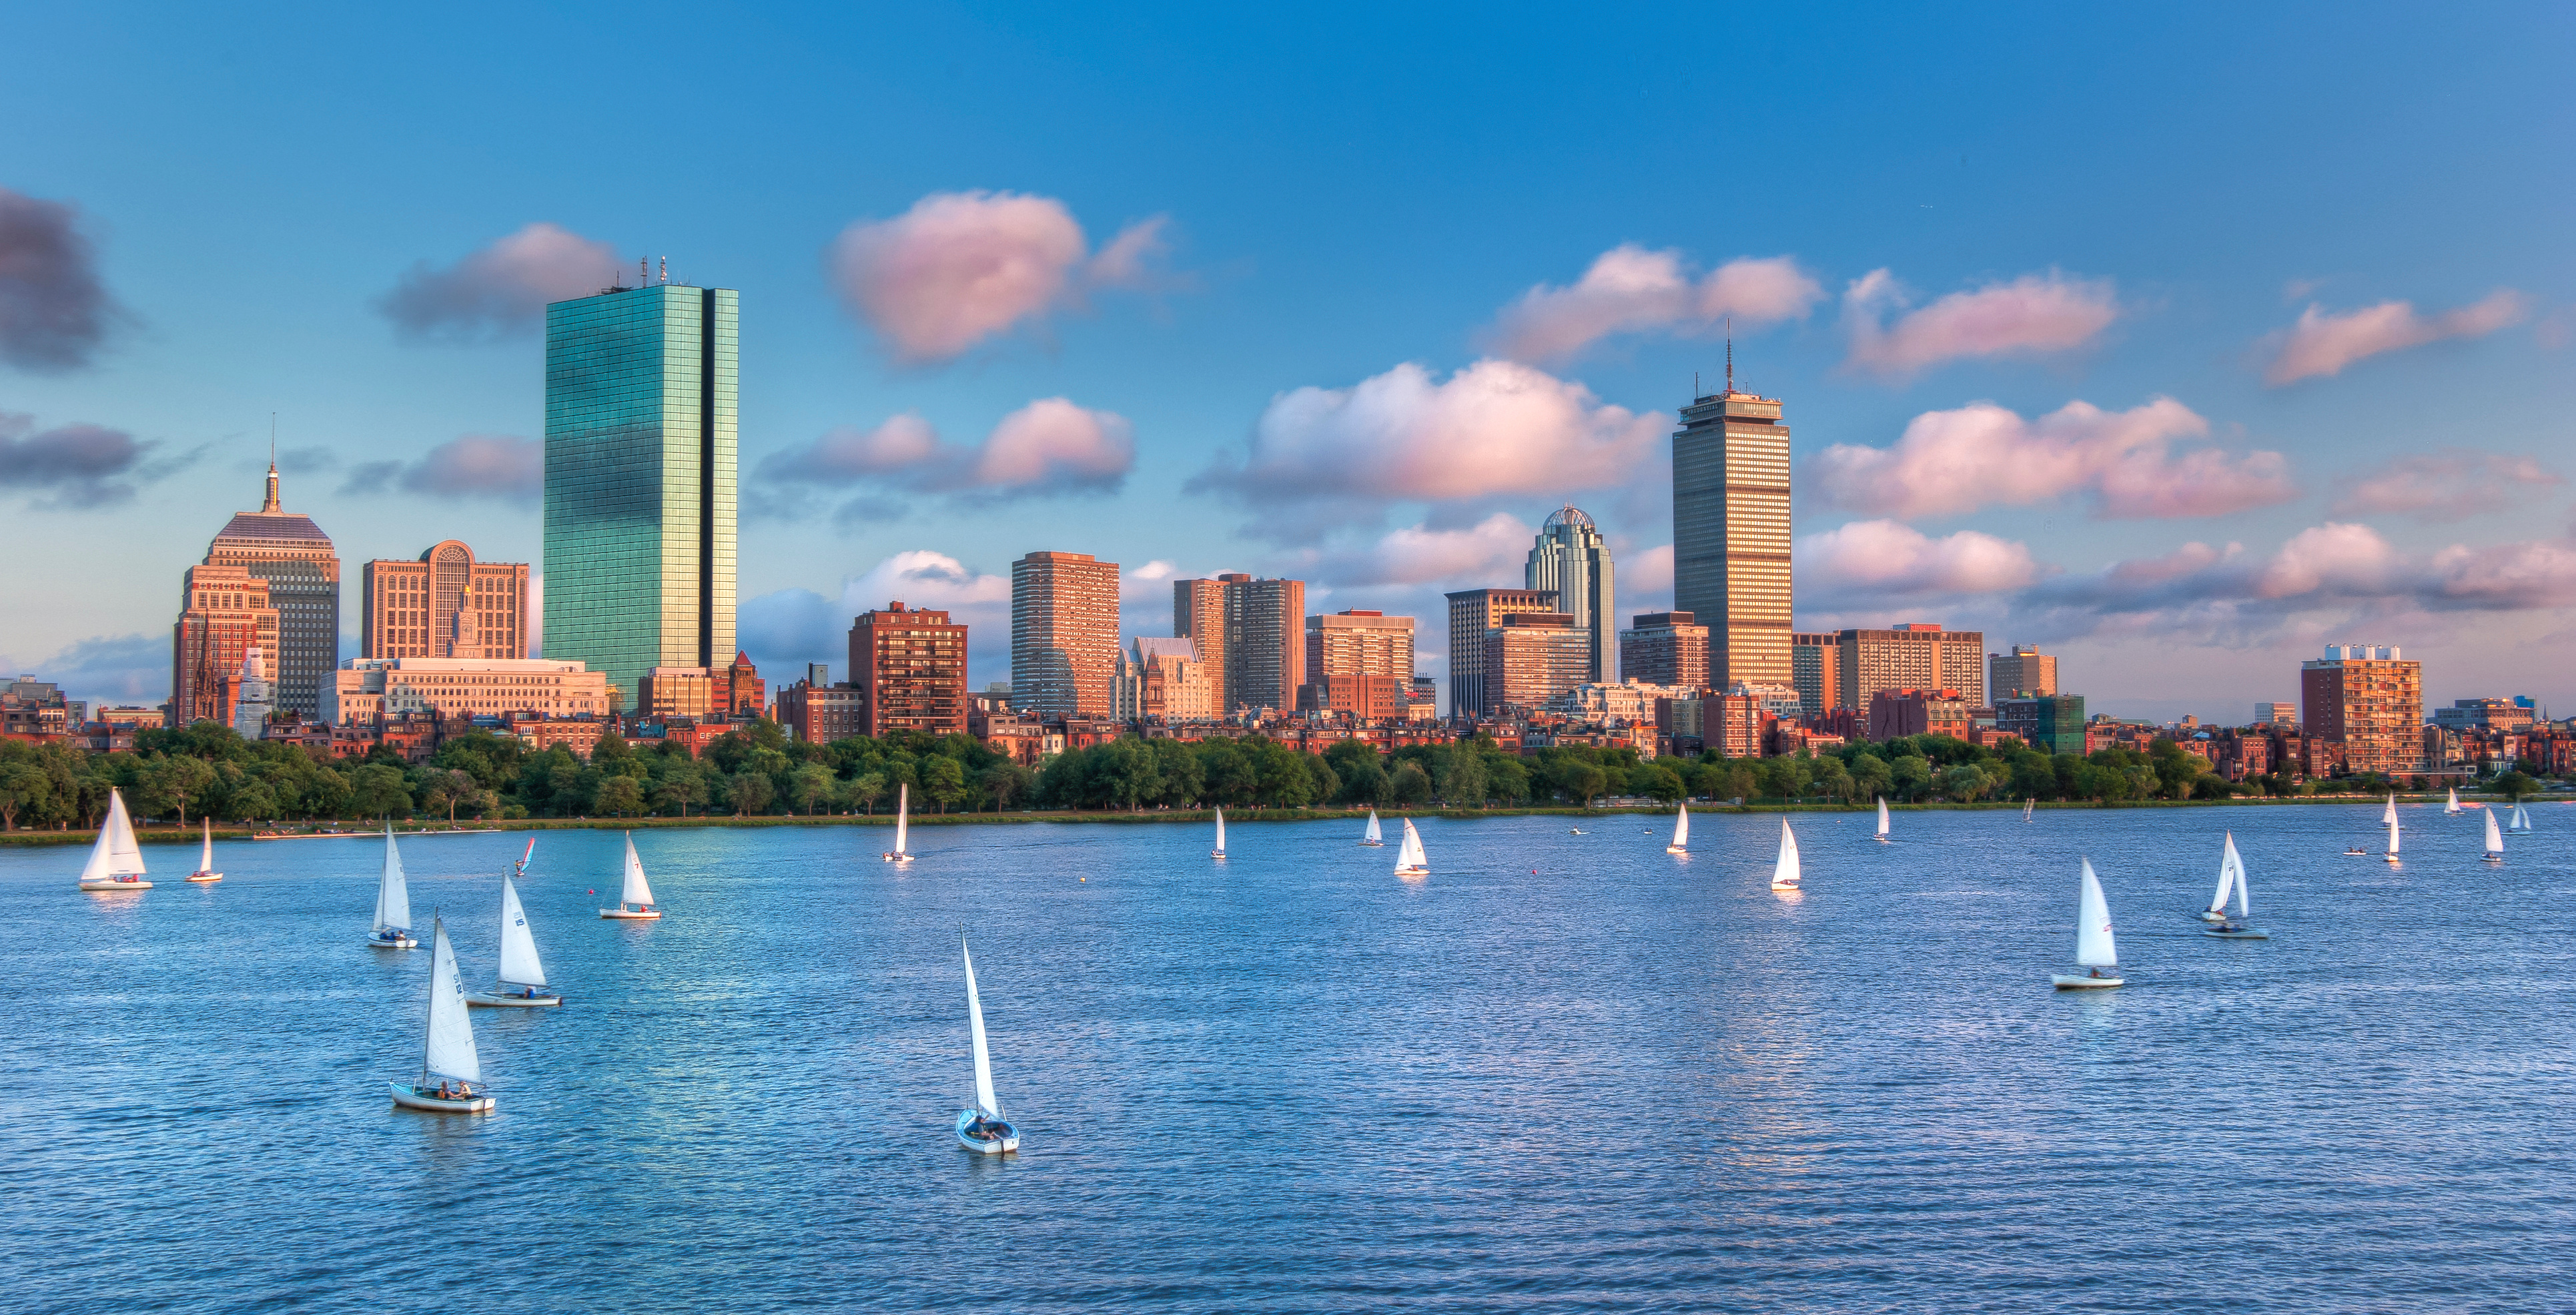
(1730, 353)
(270, 502)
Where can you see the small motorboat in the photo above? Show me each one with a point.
(451, 1076)
(2094, 949)
(392, 929)
(115, 861)
(635, 899)
(980, 1126)
(2356, 851)
(205, 875)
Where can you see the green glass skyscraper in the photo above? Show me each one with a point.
(640, 464)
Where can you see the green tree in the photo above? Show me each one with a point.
(620, 796)
(944, 779)
(1657, 782)
(810, 787)
(683, 783)
(1461, 779)
(22, 786)
(1963, 782)
(2514, 785)
(173, 781)
(1912, 773)
(251, 803)
(1006, 780)
(867, 789)
(376, 790)
(751, 792)
(1409, 784)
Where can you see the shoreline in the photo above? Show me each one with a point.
(176, 835)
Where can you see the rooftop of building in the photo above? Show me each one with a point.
(272, 527)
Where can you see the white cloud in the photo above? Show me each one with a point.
(1952, 462)
(2322, 345)
(1047, 448)
(2452, 484)
(1884, 559)
(1492, 551)
(2033, 315)
(502, 289)
(961, 267)
(1629, 289)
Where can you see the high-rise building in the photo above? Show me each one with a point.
(1064, 636)
(1165, 678)
(1665, 648)
(2050, 723)
(1731, 531)
(2277, 714)
(640, 473)
(1572, 560)
(909, 666)
(445, 605)
(2025, 672)
(1916, 655)
(224, 614)
(1816, 670)
(302, 569)
(1250, 632)
(1359, 643)
(2362, 708)
(1532, 657)
(1474, 613)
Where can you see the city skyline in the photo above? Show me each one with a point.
(2120, 437)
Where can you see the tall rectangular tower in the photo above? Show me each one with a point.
(1474, 613)
(1572, 560)
(1064, 636)
(640, 472)
(302, 569)
(1731, 533)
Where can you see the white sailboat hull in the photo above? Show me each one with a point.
(896, 858)
(412, 1098)
(397, 943)
(1006, 1143)
(112, 884)
(1676, 849)
(512, 1000)
(205, 878)
(632, 915)
(2065, 982)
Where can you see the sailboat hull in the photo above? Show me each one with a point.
(632, 915)
(397, 943)
(1676, 849)
(1372, 844)
(1005, 1144)
(205, 878)
(501, 1000)
(2068, 983)
(411, 1098)
(116, 885)
(896, 858)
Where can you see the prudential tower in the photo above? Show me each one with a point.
(1731, 532)
(640, 480)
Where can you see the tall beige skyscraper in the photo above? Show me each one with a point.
(1251, 633)
(1064, 635)
(1731, 532)
(302, 569)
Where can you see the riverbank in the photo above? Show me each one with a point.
(170, 834)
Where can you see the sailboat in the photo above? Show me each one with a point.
(447, 1053)
(2388, 816)
(981, 1127)
(1681, 830)
(2231, 873)
(115, 862)
(902, 825)
(2454, 805)
(1882, 820)
(2028, 803)
(2231, 867)
(2495, 842)
(2093, 947)
(1784, 870)
(520, 966)
(1219, 852)
(636, 899)
(2521, 820)
(1373, 838)
(2392, 843)
(205, 873)
(1409, 858)
(393, 902)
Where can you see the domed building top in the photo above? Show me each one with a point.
(1567, 515)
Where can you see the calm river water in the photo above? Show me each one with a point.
(1563, 1073)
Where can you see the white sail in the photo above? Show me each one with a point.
(1882, 818)
(2521, 819)
(2093, 946)
(985, 1100)
(393, 898)
(519, 963)
(2228, 865)
(2495, 838)
(115, 854)
(2388, 816)
(2392, 839)
(902, 816)
(206, 850)
(450, 1049)
(1784, 870)
(1373, 834)
(1681, 826)
(1409, 856)
(1220, 831)
(2244, 891)
(636, 892)
(2027, 805)
(2454, 805)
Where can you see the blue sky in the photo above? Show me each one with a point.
(2122, 207)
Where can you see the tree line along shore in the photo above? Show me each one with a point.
(759, 776)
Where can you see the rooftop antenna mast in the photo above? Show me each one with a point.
(1730, 353)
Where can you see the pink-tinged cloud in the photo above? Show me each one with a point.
(961, 267)
(1490, 551)
(501, 290)
(1889, 559)
(2449, 485)
(1951, 462)
(1049, 446)
(2344, 559)
(2033, 315)
(1645, 579)
(2322, 345)
(1496, 427)
(499, 466)
(1629, 289)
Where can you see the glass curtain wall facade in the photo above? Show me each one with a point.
(641, 455)
(1572, 561)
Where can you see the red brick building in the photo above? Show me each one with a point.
(909, 668)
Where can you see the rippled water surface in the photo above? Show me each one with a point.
(1564, 1072)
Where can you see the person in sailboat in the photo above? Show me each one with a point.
(983, 1129)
